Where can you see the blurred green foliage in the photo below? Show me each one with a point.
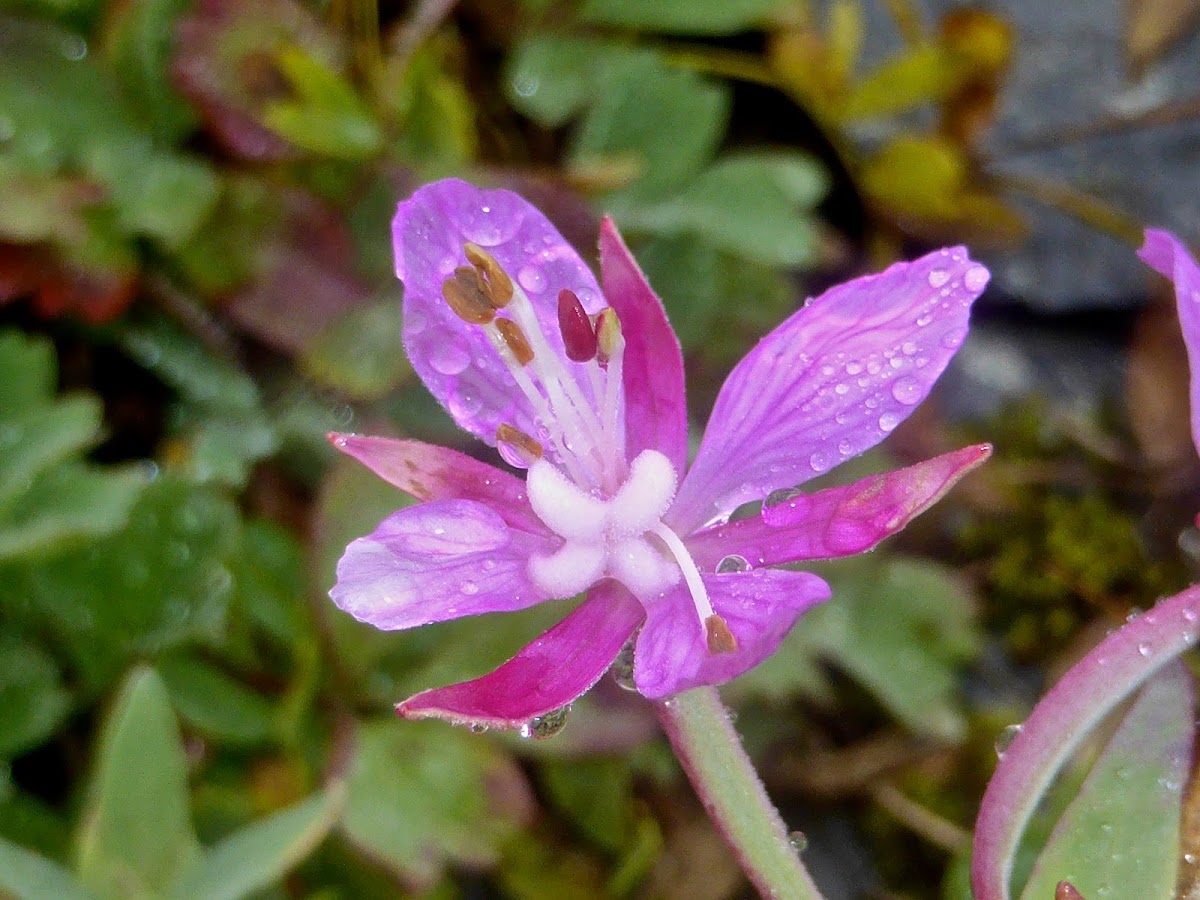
(195, 280)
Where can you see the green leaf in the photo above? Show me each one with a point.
(684, 272)
(666, 121)
(552, 78)
(258, 855)
(42, 438)
(165, 197)
(436, 115)
(1121, 832)
(753, 204)
(421, 795)
(27, 372)
(33, 701)
(136, 836)
(596, 795)
(922, 75)
(705, 17)
(270, 582)
(360, 354)
(327, 116)
(214, 703)
(25, 875)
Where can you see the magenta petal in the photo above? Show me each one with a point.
(760, 606)
(1089, 691)
(655, 402)
(454, 359)
(437, 561)
(429, 472)
(550, 673)
(1167, 255)
(838, 521)
(830, 382)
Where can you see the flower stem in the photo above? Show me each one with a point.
(697, 724)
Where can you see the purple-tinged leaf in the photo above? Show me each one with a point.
(547, 675)
(1090, 690)
(1121, 831)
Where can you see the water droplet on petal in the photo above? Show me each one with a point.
(798, 840)
(1005, 738)
(532, 279)
(487, 227)
(780, 496)
(907, 391)
(819, 461)
(469, 587)
(622, 668)
(733, 563)
(449, 356)
(1144, 649)
(908, 348)
(938, 277)
(414, 323)
(853, 368)
(547, 725)
(976, 278)
(924, 320)
(478, 728)
(888, 421)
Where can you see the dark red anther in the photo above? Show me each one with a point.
(578, 335)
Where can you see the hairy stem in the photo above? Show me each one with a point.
(698, 726)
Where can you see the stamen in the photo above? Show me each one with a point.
(608, 333)
(720, 639)
(515, 338)
(524, 448)
(465, 296)
(499, 287)
(579, 337)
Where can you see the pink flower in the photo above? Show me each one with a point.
(582, 385)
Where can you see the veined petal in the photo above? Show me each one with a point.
(759, 606)
(655, 402)
(454, 359)
(548, 674)
(838, 521)
(830, 382)
(438, 561)
(429, 472)
(1167, 255)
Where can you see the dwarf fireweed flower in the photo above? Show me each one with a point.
(581, 385)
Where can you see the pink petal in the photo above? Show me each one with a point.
(1088, 692)
(1167, 255)
(429, 472)
(830, 382)
(547, 675)
(454, 359)
(838, 521)
(760, 606)
(438, 561)
(655, 402)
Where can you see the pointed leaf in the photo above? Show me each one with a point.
(253, 858)
(25, 875)
(1121, 831)
(136, 836)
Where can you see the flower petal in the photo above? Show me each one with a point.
(838, 521)
(438, 561)
(1167, 255)
(760, 607)
(429, 472)
(830, 382)
(455, 360)
(655, 402)
(547, 675)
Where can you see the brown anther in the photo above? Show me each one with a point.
(526, 447)
(608, 334)
(720, 638)
(499, 287)
(466, 298)
(517, 343)
(579, 337)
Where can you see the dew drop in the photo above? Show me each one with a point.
(487, 227)
(841, 389)
(1190, 615)
(780, 496)
(622, 668)
(449, 356)
(953, 339)
(908, 348)
(733, 563)
(819, 461)
(798, 840)
(489, 565)
(924, 320)
(907, 391)
(546, 726)
(888, 421)
(938, 277)
(469, 587)
(845, 448)
(853, 368)
(414, 323)
(976, 278)
(1005, 738)
(478, 727)
(532, 279)
(1144, 649)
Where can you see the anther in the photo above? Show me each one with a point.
(525, 448)
(499, 287)
(720, 638)
(517, 343)
(579, 337)
(465, 296)
(609, 339)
